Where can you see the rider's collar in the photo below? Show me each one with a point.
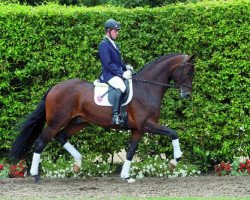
(112, 41)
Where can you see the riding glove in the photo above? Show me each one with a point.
(127, 74)
(129, 67)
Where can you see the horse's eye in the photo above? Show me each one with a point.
(190, 73)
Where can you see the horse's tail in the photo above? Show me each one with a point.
(30, 131)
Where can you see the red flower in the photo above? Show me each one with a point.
(21, 169)
(217, 168)
(228, 167)
(1, 167)
(13, 168)
(225, 168)
(223, 165)
(242, 166)
(247, 163)
(17, 173)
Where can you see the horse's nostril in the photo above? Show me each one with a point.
(187, 95)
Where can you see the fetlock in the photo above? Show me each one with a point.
(125, 169)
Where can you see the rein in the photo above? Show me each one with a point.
(162, 84)
(181, 67)
(157, 83)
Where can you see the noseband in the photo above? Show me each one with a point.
(181, 67)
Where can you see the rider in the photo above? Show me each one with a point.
(113, 68)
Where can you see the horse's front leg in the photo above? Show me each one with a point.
(125, 173)
(159, 129)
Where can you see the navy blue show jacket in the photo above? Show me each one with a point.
(111, 60)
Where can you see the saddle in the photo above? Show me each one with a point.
(103, 94)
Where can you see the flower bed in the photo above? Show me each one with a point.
(237, 168)
(159, 167)
(13, 171)
(154, 167)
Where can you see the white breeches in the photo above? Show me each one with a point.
(117, 83)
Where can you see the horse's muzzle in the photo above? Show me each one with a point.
(185, 94)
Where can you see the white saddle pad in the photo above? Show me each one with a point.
(101, 98)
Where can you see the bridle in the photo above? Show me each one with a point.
(181, 67)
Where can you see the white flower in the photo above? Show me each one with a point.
(140, 175)
(242, 128)
(172, 176)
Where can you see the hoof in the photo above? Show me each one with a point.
(76, 168)
(172, 165)
(129, 180)
(37, 179)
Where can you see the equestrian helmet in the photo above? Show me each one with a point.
(112, 24)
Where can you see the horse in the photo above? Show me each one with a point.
(68, 107)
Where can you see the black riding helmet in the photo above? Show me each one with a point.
(112, 24)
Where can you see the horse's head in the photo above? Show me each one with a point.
(183, 76)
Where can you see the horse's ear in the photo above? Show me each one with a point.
(192, 57)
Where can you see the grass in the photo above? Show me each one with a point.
(146, 198)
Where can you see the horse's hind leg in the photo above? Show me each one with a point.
(62, 137)
(136, 138)
(40, 144)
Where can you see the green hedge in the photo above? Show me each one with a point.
(91, 3)
(41, 46)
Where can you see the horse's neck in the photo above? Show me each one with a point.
(157, 73)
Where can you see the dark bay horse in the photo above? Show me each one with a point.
(69, 107)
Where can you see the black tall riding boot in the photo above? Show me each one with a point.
(116, 107)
